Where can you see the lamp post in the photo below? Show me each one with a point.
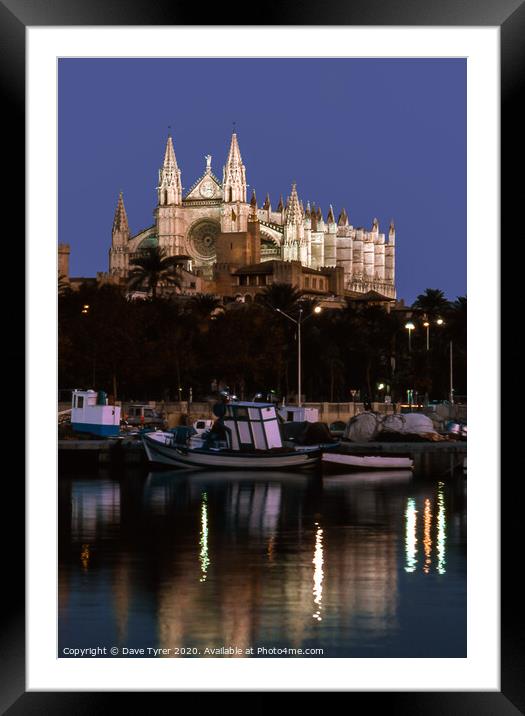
(298, 322)
(410, 327)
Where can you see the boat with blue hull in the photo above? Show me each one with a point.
(90, 413)
(245, 436)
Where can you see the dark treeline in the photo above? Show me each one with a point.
(148, 349)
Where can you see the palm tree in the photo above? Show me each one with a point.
(458, 319)
(432, 302)
(279, 295)
(153, 267)
(63, 284)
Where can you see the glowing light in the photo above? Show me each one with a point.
(440, 321)
(426, 324)
(441, 534)
(203, 555)
(318, 309)
(318, 561)
(410, 535)
(270, 549)
(85, 555)
(380, 386)
(427, 540)
(410, 326)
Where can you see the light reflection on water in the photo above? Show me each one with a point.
(352, 564)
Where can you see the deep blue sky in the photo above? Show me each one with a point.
(381, 137)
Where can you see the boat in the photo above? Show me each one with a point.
(245, 436)
(346, 461)
(90, 413)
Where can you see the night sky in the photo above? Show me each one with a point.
(383, 138)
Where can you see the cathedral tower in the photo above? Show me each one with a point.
(330, 257)
(118, 253)
(379, 257)
(168, 214)
(294, 247)
(235, 209)
(344, 246)
(368, 251)
(390, 255)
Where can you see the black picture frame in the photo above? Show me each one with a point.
(15, 16)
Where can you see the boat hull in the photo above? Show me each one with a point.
(178, 456)
(344, 461)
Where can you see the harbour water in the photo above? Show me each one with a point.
(199, 563)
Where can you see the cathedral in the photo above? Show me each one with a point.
(232, 245)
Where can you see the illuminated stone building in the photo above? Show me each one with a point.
(224, 236)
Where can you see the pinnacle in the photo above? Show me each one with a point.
(293, 210)
(169, 155)
(120, 221)
(343, 218)
(234, 156)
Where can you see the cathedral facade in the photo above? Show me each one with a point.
(198, 224)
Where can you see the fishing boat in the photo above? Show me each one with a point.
(345, 461)
(90, 413)
(245, 436)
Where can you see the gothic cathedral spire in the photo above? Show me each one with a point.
(170, 187)
(293, 214)
(234, 182)
(120, 230)
(118, 253)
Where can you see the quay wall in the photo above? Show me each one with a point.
(178, 413)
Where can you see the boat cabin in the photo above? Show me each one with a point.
(90, 413)
(252, 426)
(299, 414)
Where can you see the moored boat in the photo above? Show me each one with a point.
(345, 461)
(90, 413)
(246, 436)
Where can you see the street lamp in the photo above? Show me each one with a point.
(426, 324)
(298, 322)
(410, 327)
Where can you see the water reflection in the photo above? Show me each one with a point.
(95, 509)
(210, 559)
(318, 572)
(410, 535)
(427, 541)
(429, 545)
(441, 530)
(203, 555)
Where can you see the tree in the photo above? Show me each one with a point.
(63, 284)
(433, 302)
(153, 268)
(279, 295)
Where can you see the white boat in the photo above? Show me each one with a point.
(346, 461)
(247, 436)
(90, 413)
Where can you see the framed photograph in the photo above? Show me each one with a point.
(343, 177)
